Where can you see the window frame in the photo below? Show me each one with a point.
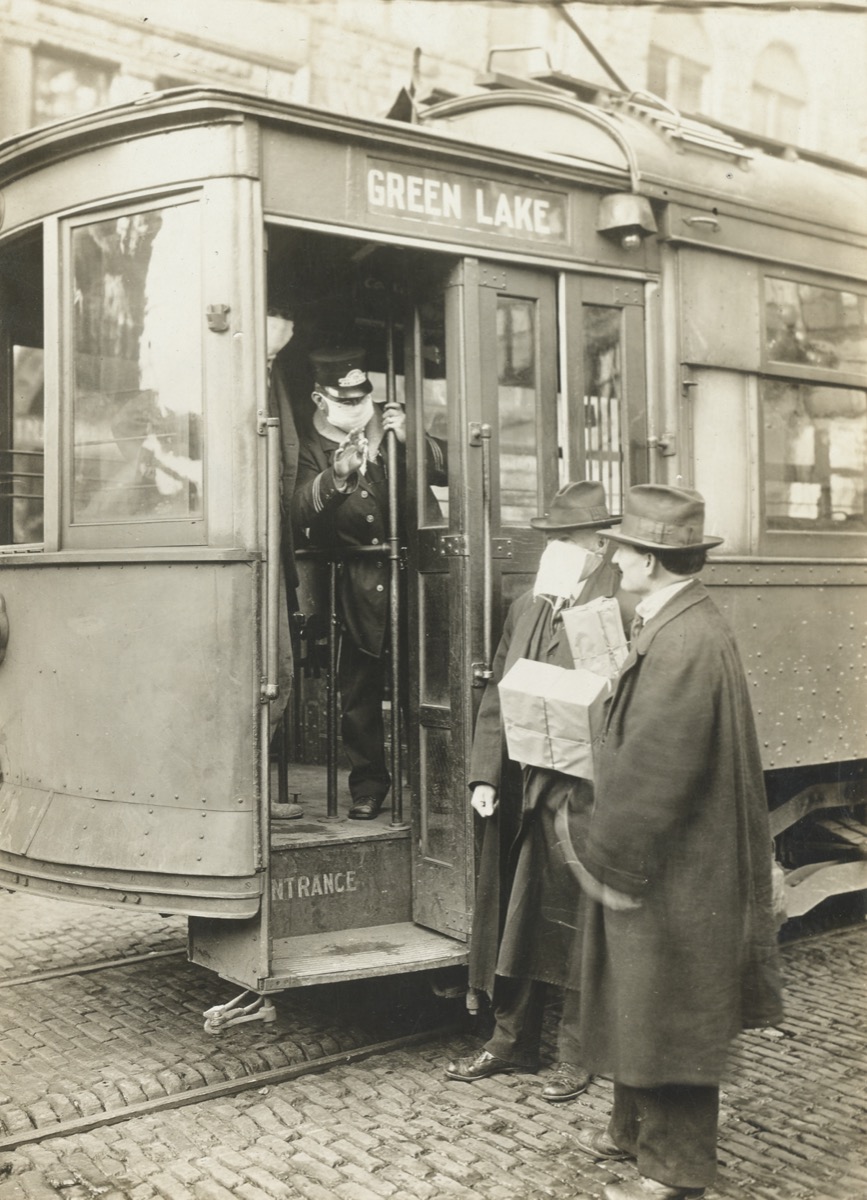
(813, 543)
(190, 530)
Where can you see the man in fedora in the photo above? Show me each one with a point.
(341, 502)
(679, 947)
(526, 909)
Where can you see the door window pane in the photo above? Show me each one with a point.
(603, 377)
(815, 456)
(434, 495)
(137, 368)
(518, 396)
(815, 326)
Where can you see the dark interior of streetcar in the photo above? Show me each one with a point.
(343, 292)
(21, 382)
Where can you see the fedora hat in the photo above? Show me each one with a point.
(339, 372)
(663, 518)
(577, 506)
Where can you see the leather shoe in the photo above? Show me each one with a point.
(366, 808)
(599, 1145)
(480, 1067)
(643, 1188)
(566, 1082)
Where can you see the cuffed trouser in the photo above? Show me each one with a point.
(518, 1012)
(671, 1131)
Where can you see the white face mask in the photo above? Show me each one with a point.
(347, 417)
(563, 567)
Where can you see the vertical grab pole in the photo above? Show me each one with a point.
(270, 426)
(395, 765)
(331, 698)
(480, 435)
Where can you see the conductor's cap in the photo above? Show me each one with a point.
(339, 372)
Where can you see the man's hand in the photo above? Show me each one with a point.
(484, 799)
(350, 455)
(601, 892)
(394, 420)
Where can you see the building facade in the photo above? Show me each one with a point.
(796, 77)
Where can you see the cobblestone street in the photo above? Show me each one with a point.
(80, 1049)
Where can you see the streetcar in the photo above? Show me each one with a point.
(553, 285)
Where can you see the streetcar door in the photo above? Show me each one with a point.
(483, 370)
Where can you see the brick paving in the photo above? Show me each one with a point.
(793, 1123)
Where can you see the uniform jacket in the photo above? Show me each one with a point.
(327, 518)
(494, 947)
(680, 822)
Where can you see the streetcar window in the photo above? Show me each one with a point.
(22, 423)
(517, 370)
(815, 456)
(137, 367)
(815, 326)
(603, 377)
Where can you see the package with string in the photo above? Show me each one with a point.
(552, 716)
(595, 635)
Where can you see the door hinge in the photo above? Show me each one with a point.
(501, 548)
(453, 545)
(490, 277)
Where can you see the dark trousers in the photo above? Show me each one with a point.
(670, 1130)
(361, 683)
(518, 1011)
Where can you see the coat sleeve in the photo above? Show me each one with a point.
(316, 494)
(486, 759)
(437, 461)
(653, 766)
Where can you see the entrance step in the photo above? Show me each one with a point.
(360, 953)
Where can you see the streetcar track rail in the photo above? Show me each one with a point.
(89, 968)
(229, 1087)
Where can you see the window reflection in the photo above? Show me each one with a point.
(815, 326)
(603, 376)
(137, 407)
(518, 397)
(815, 456)
(23, 460)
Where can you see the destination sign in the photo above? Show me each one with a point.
(460, 201)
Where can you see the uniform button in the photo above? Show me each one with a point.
(380, 588)
(364, 495)
(374, 541)
(369, 518)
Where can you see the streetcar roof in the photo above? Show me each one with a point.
(630, 143)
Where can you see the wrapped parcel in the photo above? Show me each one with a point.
(552, 715)
(595, 635)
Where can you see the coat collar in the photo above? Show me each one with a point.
(692, 594)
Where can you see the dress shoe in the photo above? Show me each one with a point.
(565, 1082)
(598, 1144)
(480, 1067)
(643, 1188)
(366, 808)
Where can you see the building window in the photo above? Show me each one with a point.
(678, 64)
(64, 86)
(778, 94)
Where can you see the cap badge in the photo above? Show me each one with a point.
(353, 379)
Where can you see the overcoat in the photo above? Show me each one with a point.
(526, 905)
(325, 517)
(680, 823)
